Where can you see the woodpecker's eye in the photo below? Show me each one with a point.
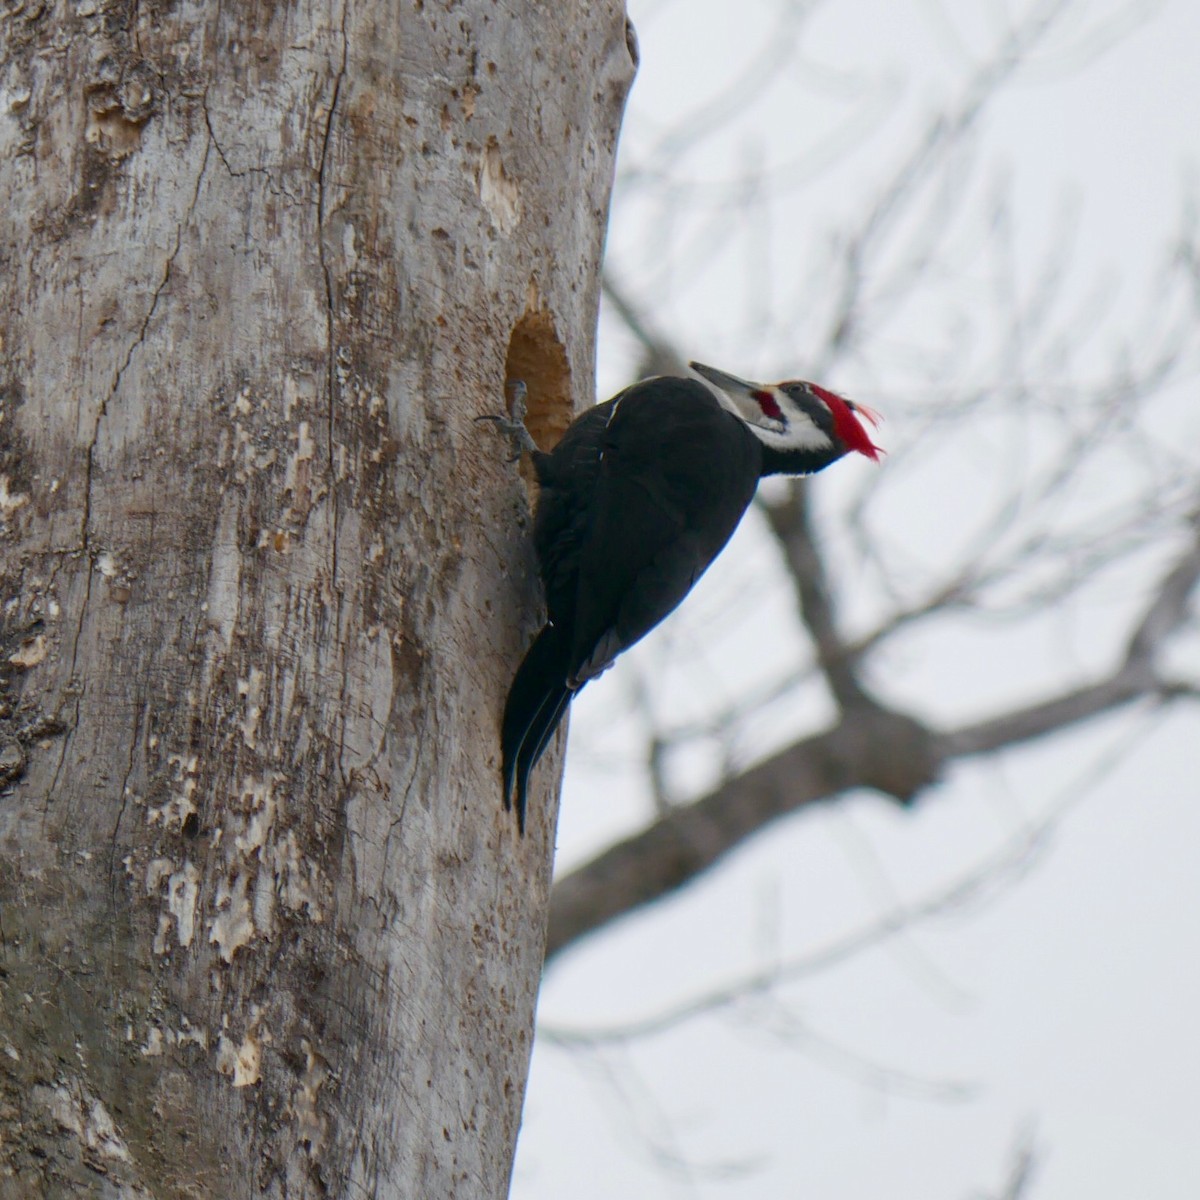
(768, 404)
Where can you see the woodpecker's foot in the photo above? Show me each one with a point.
(513, 424)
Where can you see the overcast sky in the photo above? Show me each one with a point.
(1059, 1000)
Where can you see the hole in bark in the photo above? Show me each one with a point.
(536, 356)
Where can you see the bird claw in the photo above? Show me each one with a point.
(512, 424)
(517, 394)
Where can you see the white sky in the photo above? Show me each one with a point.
(1063, 997)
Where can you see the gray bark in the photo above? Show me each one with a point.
(264, 928)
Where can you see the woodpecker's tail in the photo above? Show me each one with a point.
(536, 702)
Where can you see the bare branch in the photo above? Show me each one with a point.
(1022, 1162)
(872, 747)
(1024, 558)
(778, 49)
(1011, 862)
(1135, 678)
(942, 136)
(877, 749)
(1169, 609)
(659, 357)
(1048, 716)
(790, 521)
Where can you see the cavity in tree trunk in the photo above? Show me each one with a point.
(264, 928)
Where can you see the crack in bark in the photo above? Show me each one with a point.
(273, 186)
(112, 845)
(331, 381)
(102, 412)
(85, 547)
(398, 820)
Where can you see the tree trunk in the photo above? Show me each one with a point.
(265, 929)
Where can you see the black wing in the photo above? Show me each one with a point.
(536, 702)
(539, 695)
(567, 481)
(674, 475)
(637, 499)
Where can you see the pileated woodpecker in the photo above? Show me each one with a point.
(635, 501)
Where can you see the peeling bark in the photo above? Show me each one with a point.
(264, 928)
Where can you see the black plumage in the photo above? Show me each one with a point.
(636, 500)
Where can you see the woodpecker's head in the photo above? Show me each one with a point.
(796, 419)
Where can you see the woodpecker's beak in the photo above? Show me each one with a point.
(731, 385)
(754, 403)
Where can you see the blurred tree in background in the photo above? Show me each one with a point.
(912, 221)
